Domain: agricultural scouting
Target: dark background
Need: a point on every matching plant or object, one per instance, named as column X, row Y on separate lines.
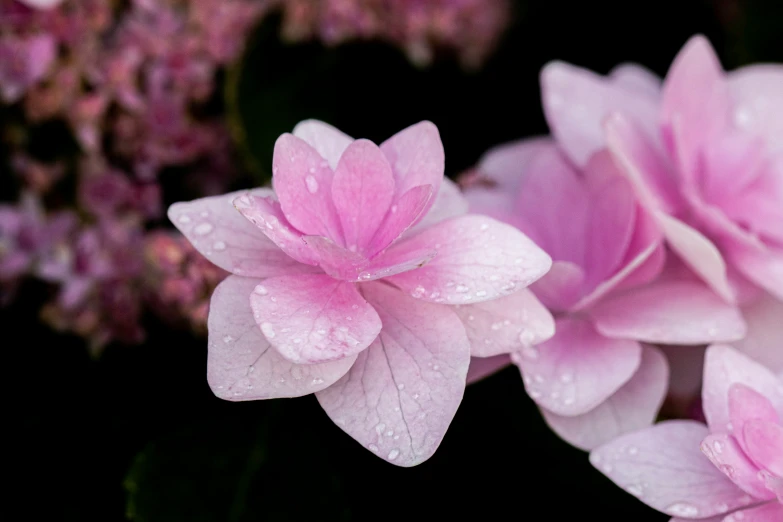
column 138, row 433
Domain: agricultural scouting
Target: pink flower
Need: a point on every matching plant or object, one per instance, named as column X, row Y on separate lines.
column 23, row 62
column 703, row 152
column 737, row 475
column 596, row 378
column 342, row 279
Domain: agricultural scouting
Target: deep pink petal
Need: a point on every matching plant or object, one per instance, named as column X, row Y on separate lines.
column 508, row 324
column 696, row 105
column 416, row 157
column 633, row 407
column 482, row 367
column 265, row 213
column 478, row 259
column 561, row 287
column 362, row 190
column 227, row 239
column 314, row 318
column 769, row 512
column 401, row 395
column 335, row 260
column 724, row 452
column 699, row 253
column 758, row 102
column 327, row 140
column 725, row 366
column 664, row 468
column 673, row 312
column 637, row 78
column 578, row 368
column 747, row 404
column 764, row 443
column 242, row 365
column 302, row 181
column 763, row 268
column 576, row 102
column 400, row 216
column 396, row 262
column 764, row 339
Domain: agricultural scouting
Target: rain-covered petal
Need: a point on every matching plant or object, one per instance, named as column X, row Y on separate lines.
column 324, row 138
column 478, row 259
column 746, row 404
column 663, row 467
column 578, row 368
column 302, row 180
column 633, row 407
column 362, row 191
column 402, row 393
column 511, row 323
column 672, row 312
column 227, row 239
column 448, row 203
column 769, row 512
column 758, row 102
column 725, row 366
column 314, row 318
column 724, row 452
column 764, row 444
column 242, row 365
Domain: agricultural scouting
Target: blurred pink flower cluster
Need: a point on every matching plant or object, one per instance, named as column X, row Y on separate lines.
column 469, row 28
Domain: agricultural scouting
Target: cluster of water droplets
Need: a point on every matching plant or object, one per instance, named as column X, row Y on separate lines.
column 200, row 229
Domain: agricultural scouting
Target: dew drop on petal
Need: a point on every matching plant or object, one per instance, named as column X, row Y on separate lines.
column 261, row 290
column 312, row 184
column 219, row 246
column 683, row 509
column 393, row 454
column 373, row 447
column 461, row 289
column 227, row 339
column 202, row 229
column 268, row 330
column 184, row 218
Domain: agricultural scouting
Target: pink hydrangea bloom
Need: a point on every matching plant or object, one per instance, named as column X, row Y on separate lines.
column 24, row 61
column 737, row 475
column 704, row 153
column 597, row 377
column 343, row 277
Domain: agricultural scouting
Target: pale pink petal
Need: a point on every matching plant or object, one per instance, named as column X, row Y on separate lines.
column 265, row 214
column 699, row 253
column 362, row 191
column 764, row 443
column 561, row 287
column 664, row 468
column 696, row 105
column 746, row 404
column 302, row 181
column 478, row 259
column 633, row 407
column 577, row 369
column 505, row 165
column 724, row 452
column 769, row 512
column 401, row 395
column 314, row 318
column 511, row 323
column 448, row 203
column 725, row 366
column 756, row 91
column 416, row 157
column 327, row 140
column 482, row 367
column 242, row 365
column 670, row 312
column 227, row 239
column 576, row 101
column 763, row 268
column 638, row 78
column 402, row 214
column 335, row 260
column 764, row 339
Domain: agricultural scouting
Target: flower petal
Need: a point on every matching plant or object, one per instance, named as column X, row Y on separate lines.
column 764, row 443
column 746, row 404
column 482, row 367
column 402, row 214
column 227, row 239
column 728, row 457
column 663, row 467
column 633, row 407
column 448, row 203
column 242, row 365
column 314, row 318
column 578, row 368
column 362, row 191
column 561, row 287
column 769, row 512
column 764, row 339
column 416, row 157
column 725, row 366
column 507, row 324
column 302, row 181
column 638, row 78
column 763, row 268
column 335, row 260
column 756, row 91
column 327, row 140
column 402, row 393
column 478, row 259
column 265, row 213
column 672, row 312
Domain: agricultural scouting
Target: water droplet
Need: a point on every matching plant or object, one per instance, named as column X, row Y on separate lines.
column 219, row 246
column 297, row 341
column 389, row 433
column 184, row 218
column 633, row 450
column 316, row 381
column 494, row 277
column 354, row 307
column 373, row 447
column 635, row 490
column 251, row 369
column 530, row 352
column 204, row 213
column 202, row 229
column 436, row 367
column 568, row 401
column 312, row 184
column 470, row 318
column 484, row 227
column 538, row 378
column 394, row 209
column 227, row 339
column 682, row 509
column 461, row 289
column 364, row 276
column 481, row 293
column 722, row 508
column 496, row 326
column 400, row 386
column 567, row 377
column 268, row 330
column 393, row 454
column 718, row 447
column 312, row 170
column 727, row 470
